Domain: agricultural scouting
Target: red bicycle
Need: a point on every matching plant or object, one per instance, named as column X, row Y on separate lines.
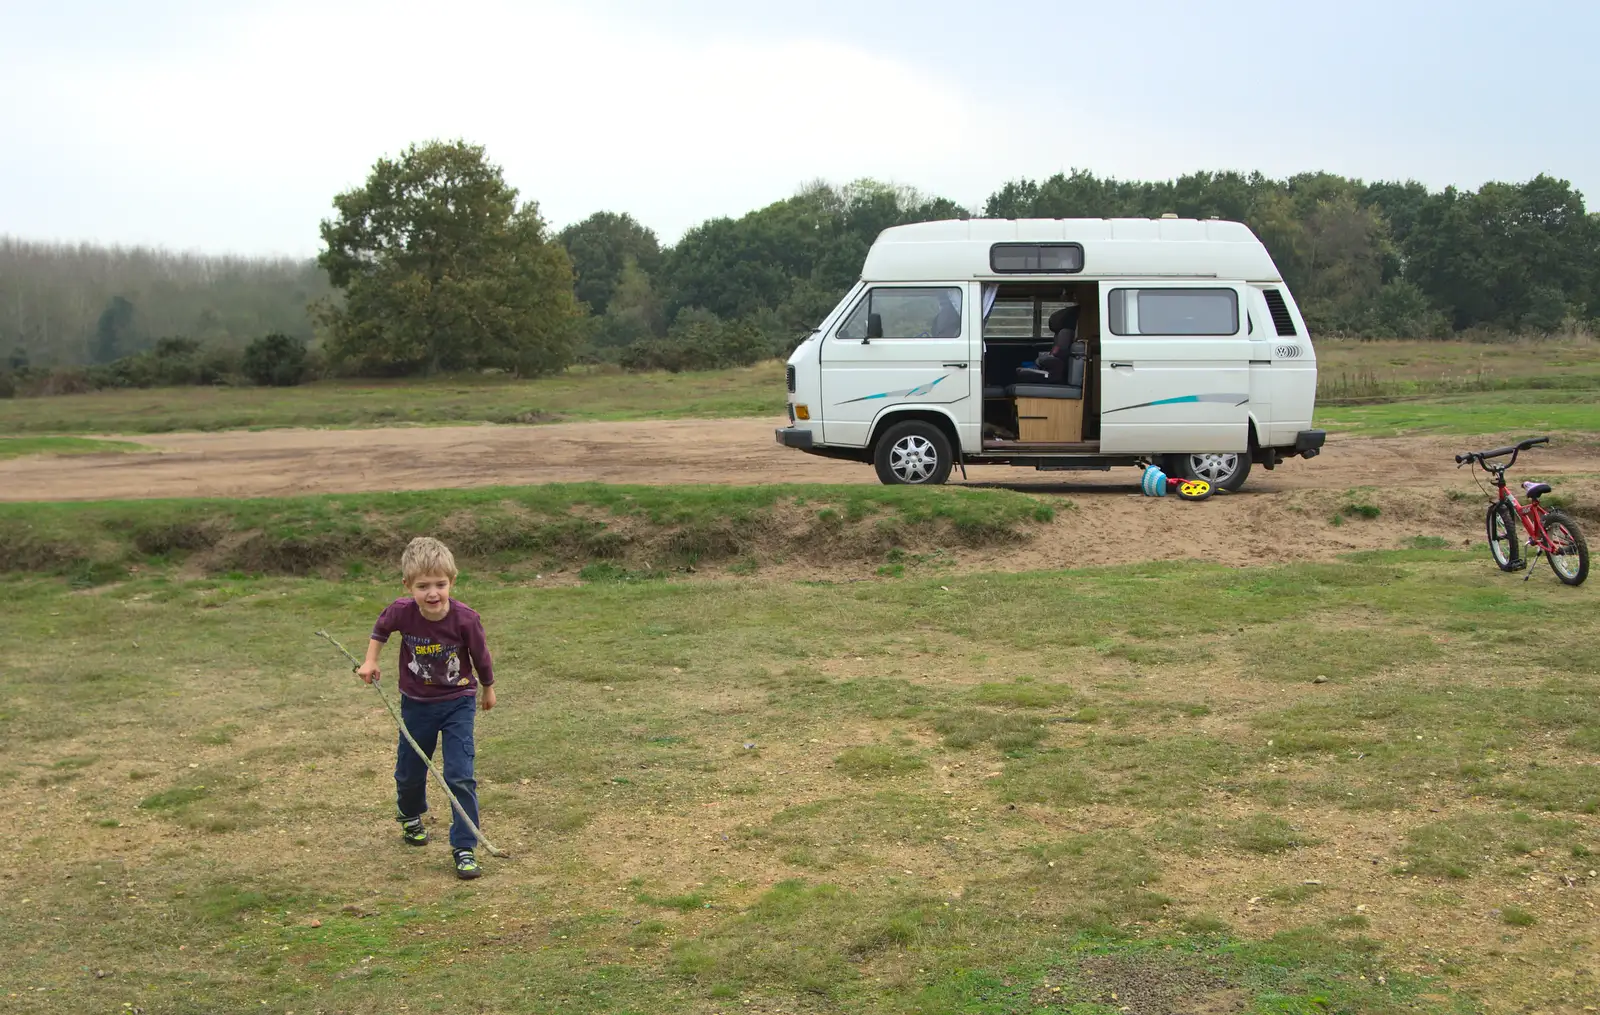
column 1551, row 533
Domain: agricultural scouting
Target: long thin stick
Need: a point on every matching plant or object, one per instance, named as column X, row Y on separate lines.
column 460, row 813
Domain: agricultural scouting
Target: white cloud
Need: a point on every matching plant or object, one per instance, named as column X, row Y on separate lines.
column 240, row 143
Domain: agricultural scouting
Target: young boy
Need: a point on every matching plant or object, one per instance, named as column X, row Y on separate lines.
column 443, row 664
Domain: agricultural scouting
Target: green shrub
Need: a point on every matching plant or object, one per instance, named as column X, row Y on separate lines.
column 171, row 362
column 275, row 360
column 699, row 340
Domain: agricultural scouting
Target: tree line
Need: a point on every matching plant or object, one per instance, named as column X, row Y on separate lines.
column 1391, row 260
column 79, row 304
column 437, row 265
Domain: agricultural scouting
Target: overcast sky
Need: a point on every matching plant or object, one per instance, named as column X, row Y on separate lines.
column 228, row 126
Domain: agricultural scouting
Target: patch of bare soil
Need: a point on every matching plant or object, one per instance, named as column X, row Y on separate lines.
column 1161, row 984
column 277, row 463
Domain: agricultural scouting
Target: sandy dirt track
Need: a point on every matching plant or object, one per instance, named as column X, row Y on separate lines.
column 277, row 463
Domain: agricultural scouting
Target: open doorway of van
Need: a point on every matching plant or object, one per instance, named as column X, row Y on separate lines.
column 1016, row 333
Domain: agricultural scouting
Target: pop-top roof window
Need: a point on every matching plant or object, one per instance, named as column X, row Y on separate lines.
column 1036, row 258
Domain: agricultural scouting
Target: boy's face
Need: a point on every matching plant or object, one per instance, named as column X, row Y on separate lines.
column 432, row 593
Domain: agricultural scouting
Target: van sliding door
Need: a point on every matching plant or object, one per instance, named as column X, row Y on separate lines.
column 1174, row 367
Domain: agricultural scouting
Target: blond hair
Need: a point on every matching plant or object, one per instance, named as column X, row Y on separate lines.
column 426, row 556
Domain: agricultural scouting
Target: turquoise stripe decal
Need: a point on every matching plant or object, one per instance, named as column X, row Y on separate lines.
column 921, row 389
column 1235, row 400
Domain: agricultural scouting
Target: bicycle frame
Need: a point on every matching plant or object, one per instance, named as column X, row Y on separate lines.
column 1532, row 516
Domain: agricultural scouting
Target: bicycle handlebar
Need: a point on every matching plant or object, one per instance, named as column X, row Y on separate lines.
column 1513, row 451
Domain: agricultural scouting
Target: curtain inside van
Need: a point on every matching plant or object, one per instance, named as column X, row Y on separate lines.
column 990, row 291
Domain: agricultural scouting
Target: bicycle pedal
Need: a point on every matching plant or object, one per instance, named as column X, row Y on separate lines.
column 1518, row 565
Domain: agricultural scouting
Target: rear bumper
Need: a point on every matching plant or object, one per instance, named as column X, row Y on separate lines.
column 1308, row 443
column 789, row 437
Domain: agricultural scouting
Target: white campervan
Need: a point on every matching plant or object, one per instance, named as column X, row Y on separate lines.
column 1060, row 344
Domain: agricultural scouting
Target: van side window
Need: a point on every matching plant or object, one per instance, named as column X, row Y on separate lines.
column 1021, row 317
column 855, row 326
column 1174, row 312
column 906, row 313
column 1012, row 317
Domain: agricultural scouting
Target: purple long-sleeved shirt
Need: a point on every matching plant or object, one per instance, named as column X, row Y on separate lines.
column 439, row 659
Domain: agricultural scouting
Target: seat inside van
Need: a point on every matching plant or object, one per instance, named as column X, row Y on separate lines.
column 1036, row 346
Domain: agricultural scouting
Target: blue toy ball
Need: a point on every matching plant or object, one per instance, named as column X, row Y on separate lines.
column 1154, row 482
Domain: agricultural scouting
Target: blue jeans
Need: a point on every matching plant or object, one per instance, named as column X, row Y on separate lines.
column 428, row 722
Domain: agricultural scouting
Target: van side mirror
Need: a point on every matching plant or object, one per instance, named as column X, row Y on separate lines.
column 874, row 327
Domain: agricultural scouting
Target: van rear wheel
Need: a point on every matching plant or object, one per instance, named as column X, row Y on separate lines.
column 913, row 453
column 1226, row 471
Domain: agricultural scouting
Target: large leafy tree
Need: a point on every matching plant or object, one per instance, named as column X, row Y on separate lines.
column 788, row 262
column 633, row 314
column 735, row 267
column 443, row 269
column 601, row 247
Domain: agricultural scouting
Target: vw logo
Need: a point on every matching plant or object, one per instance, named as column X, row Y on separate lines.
column 1287, row 351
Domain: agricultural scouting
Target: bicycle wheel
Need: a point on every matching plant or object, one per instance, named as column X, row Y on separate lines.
column 1571, row 562
column 1502, row 525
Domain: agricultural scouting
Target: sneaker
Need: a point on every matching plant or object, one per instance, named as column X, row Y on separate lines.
column 466, row 865
column 412, row 831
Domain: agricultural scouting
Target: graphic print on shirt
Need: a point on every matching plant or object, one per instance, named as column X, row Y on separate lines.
column 435, row 663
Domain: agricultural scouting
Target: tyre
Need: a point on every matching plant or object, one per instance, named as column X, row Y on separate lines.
column 1194, row 489
column 1501, row 523
column 1572, row 564
column 913, row 453
column 1225, row 471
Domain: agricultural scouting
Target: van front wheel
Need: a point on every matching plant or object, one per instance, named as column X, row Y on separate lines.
column 1226, row 471
column 913, row 453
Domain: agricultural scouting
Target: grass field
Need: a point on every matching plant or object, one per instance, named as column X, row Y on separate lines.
column 16, row 447
column 1353, row 368
column 1527, row 412
column 577, row 395
column 1445, row 386
column 1381, row 389
column 1361, row 787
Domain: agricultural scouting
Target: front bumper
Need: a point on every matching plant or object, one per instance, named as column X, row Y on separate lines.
column 789, row 437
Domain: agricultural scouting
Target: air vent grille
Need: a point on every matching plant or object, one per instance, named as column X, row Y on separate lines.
column 1280, row 312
